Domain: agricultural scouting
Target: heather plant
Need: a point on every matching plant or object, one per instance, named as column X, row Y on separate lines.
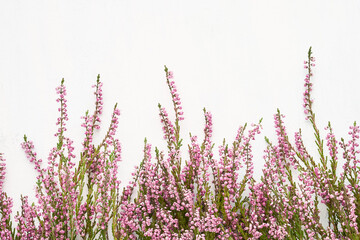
column 200, row 198
column 283, row 207
column 198, row 195
column 73, row 200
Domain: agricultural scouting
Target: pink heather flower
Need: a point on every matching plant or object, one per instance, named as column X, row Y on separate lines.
column 92, row 121
column 308, row 88
column 2, row 171
column 61, row 91
column 168, row 127
column 174, row 95
column 331, row 142
column 170, row 75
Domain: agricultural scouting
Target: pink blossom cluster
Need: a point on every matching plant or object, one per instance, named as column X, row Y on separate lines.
column 6, row 204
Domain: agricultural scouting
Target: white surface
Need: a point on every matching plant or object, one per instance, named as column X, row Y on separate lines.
column 239, row 59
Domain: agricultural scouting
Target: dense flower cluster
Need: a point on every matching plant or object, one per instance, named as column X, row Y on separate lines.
column 200, row 196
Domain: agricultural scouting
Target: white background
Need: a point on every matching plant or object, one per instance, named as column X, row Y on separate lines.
column 240, row 59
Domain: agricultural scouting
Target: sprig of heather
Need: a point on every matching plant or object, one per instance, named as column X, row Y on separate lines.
column 332, row 190
column 27, row 227
column 6, row 203
column 99, row 165
column 55, row 189
column 229, row 187
column 278, row 189
column 315, row 180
